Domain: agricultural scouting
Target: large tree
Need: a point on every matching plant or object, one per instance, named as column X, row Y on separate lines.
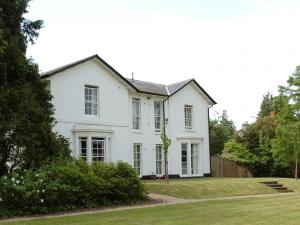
column 26, row 138
column 287, row 142
column 221, row 130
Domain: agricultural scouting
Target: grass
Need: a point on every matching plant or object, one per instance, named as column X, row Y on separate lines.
column 279, row 209
column 282, row 209
column 200, row 188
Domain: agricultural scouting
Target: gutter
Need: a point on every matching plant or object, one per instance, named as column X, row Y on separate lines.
column 208, row 120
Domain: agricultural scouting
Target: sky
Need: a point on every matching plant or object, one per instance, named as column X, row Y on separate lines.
column 237, row 50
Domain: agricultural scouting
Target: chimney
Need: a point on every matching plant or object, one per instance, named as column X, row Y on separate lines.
column 132, row 78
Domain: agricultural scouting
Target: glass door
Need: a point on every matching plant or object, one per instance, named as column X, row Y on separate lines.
column 194, row 159
column 184, row 157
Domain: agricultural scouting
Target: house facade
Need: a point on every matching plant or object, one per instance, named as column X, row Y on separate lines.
column 107, row 117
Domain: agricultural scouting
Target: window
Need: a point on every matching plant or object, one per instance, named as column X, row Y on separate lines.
column 194, row 159
column 136, row 113
column 157, row 116
column 159, row 161
column 137, row 158
column 97, row 149
column 91, row 100
column 188, row 119
column 83, row 147
column 184, row 158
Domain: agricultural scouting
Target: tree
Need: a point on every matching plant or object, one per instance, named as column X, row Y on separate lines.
column 26, row 137
column 287, row 142
column 266, row 106
column 166, row 142
column 238, row 153
column 221, row 130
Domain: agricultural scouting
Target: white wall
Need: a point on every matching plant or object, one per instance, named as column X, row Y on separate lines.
column 115, row 118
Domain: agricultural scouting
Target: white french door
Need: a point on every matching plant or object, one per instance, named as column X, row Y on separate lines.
column 190, row 159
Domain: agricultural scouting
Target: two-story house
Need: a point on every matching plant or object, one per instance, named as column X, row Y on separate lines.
column 109, row 118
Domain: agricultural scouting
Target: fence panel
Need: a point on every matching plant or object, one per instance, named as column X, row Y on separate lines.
column 227, row 168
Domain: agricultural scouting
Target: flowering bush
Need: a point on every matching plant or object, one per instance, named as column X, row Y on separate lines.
column 68, row 185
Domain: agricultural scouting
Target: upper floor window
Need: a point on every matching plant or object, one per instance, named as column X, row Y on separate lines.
column 91, row 100
column 188, row 116
column 136, row 113
column 157, row 116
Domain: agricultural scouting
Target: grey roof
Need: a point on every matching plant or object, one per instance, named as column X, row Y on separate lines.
column 177, row 86
column 137, row 85
column 148, row 87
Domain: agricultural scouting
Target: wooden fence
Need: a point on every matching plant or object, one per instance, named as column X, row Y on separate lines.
column 227, row 168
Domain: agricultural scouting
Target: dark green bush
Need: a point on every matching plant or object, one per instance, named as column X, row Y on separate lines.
column 68, row 185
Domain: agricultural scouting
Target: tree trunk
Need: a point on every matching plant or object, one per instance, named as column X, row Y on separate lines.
column 166, row 166
column 296, row 168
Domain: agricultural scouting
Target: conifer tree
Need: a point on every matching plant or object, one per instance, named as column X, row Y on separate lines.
column 26, row 137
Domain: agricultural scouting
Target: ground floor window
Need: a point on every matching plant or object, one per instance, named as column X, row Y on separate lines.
column 194, row 159
column 189, row 158
column 137, row 158
column 159, row 161
column 98, row 149
column 83, row 147
column 92, row 148
column 184, row 158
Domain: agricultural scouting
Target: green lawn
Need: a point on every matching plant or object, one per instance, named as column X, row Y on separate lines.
column 279, row 209
column 200, row 188
column 283, row 209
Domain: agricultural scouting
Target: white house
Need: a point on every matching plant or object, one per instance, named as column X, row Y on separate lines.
column 109, row 118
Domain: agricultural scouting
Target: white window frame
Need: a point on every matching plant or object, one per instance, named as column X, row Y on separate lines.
column 194, row 159
column 91, row 101
column 137, row 151
column 191, row 169
column 83, row 155
column 186, row 166
column 158, row 116
column 99, row 155
column 188, row 117
column 159, row 165
column 136, row 114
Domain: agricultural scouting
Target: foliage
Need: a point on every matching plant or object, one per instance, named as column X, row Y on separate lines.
column 67, row 185
column 266, row 106
column 166, row 142
column 221, row 130
column 239, row 153
column 26, row 137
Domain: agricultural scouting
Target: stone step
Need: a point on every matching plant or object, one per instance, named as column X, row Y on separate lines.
column 285, row 191
column 269, row 182
column 274, row 185
column 279, row 188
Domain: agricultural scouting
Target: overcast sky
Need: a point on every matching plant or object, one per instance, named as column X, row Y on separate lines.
column 237, row 50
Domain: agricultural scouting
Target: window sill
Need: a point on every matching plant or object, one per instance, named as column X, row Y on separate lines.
column 157, row 132
column 137, row 132
column 91, row 116
column 189, row 130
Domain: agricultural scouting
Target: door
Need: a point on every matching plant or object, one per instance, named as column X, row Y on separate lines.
column 190, row 159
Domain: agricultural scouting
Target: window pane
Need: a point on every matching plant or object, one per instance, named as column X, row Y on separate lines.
column 137, row 158
column 157, row 115
column 188, row 116
column 159, row 161
column 98, row 151
column 184, row 158
column 91, row 100
column 194, row 158
column 83, row 147
column 136, row 113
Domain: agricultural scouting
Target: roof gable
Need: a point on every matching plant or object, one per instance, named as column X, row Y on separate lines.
column 137, row 85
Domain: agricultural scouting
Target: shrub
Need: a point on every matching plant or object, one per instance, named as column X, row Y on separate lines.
column 68, row 185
